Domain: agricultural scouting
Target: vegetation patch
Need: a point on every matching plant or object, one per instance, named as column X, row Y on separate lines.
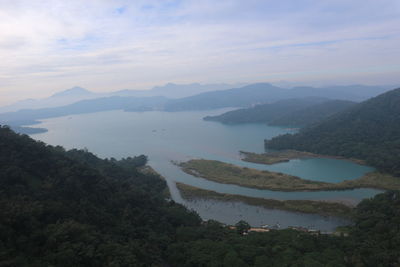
column 275, row 157
column 148, row 170
column 307, row 206
column 376, row 180
column 71, row 208
column 285, row 156
column 230, row 174
column 226, row 173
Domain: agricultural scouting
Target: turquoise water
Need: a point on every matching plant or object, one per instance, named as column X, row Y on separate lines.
column 180, row 136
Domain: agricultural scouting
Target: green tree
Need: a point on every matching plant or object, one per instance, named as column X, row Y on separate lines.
column 242, row 226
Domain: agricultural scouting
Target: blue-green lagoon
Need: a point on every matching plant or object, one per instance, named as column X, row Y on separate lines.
column 180, row 136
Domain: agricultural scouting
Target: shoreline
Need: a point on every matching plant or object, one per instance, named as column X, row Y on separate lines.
column 147, row 169
column 226, row 173
column 288, row 155
column 324, row 208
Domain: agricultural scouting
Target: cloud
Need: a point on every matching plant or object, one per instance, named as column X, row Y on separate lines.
column 48, row 45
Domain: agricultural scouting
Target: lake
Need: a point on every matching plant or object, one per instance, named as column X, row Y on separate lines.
column 180, row 136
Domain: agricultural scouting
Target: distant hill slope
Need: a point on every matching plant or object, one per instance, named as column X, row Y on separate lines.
column 369, row 130
column 27, row 116
column 312, row 114
column 237, row 97
column 356, row 92
column 266, row 93
column 172, row 90
column 75, row 94
column 266, row 113
column 62, row 98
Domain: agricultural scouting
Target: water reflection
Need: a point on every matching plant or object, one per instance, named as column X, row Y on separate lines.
column 232, row 212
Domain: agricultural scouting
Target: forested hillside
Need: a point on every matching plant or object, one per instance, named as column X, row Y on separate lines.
column 292, row 112
column 70, row 208
column 369, row 130
column 29, row 116
column 265, row 113
column 236, row 97
column 313, row 114
column 261, row 93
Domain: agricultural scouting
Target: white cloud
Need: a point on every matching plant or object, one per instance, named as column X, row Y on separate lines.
column 50, row 45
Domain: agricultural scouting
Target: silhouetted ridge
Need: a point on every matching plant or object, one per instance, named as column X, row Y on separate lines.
column 73, row 92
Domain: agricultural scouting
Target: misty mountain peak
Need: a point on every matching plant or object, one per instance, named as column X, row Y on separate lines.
column 72, row 92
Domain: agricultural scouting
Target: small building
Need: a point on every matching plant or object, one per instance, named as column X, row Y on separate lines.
column 258, row 230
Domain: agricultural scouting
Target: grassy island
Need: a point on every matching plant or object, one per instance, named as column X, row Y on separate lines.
column 274, row 157
column 306, row 206
column 226, row 173
column 285, row 156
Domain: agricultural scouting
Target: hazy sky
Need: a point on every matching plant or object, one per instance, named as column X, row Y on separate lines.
column 105, row 45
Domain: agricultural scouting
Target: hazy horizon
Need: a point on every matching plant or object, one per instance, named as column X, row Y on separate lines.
column 281, row 84
column 48, row 46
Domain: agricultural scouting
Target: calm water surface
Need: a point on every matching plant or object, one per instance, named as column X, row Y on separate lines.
column 180, row 136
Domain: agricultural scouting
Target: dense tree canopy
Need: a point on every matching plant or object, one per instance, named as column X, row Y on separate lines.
column 70, row 208
column 374, row 240
column 291, row 112
column 369, row 130
column 313, row 114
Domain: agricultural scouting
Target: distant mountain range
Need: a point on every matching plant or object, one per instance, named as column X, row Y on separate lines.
column 74, row 92
column 261, row 93
column 369, row 130
column 66, row 97
column 77, row 93
column 355, row 92
column 131, row 100
column 236, row 97
column 30, row 116
column 171, row 90
column 205, row 96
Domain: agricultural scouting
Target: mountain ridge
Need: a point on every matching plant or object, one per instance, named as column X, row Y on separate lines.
column 73, row 92
column 261, row 93
column 30, row 116
column 77, row 93
column 266, row 113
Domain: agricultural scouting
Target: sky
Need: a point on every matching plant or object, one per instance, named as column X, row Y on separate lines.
column 105, row 45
